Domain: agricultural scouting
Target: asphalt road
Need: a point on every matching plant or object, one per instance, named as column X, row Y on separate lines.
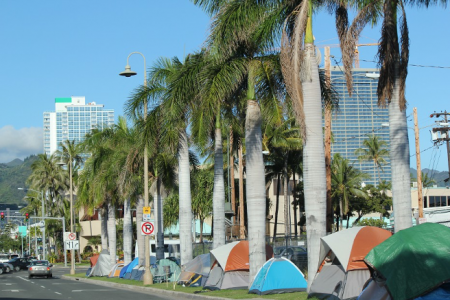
column 16, row 285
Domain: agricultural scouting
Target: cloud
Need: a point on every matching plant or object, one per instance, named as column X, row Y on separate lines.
column 20, row 143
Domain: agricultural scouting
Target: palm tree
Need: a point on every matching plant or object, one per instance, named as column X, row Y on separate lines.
column 393, row 59
column 346, row 181
column 202, row 187
column 373, row 151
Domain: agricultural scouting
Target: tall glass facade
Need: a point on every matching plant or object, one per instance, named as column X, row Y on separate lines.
column 72, row 120
column 359, row 117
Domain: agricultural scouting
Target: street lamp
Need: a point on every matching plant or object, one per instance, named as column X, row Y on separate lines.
column 72, row 252
column 43, row 214
column 148, row 278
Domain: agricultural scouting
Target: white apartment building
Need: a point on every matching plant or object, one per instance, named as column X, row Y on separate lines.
column 72, row 119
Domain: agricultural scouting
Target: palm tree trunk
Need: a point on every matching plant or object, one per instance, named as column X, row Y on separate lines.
column 185, row 211
column 241, row 195
column 341, row 214
column 287, row 225
column 104, row 227
column 127, row 232
column 314, row 166
column 295, row 207
column 255, row 188
column 159, row 221
column 328, row 166
column 399, row 155
column 219, row 190
column 201, row 230
column 112, row 233
column 231, row 166
column 140, row 237
column 277, row 205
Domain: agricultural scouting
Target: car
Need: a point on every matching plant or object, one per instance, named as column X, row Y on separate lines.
column 9, row 268
column 4, row 257
column 40, row 268
column 2, row 268
column 20, row 263
column 297, row 254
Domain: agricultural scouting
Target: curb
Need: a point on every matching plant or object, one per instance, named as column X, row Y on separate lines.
column 146, row 290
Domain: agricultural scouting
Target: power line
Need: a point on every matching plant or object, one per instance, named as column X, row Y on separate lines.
column 413, row 65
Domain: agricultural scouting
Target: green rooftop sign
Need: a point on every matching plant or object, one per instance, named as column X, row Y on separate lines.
column 63, row 100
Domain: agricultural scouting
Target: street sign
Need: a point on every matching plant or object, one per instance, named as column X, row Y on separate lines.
column 146, row 217
column 147, row 228
column 147, row 210
column 70, row 236
column 72, row 245
column 23, row 230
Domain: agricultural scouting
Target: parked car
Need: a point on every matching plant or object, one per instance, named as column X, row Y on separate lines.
column 297, row 254
column 4, row 257
column 40, row 268
column 20, row 263
column 2, row 268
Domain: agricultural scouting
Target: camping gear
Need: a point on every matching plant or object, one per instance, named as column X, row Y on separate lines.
column 126, row 270
column 342, row 272
column 277, row 276
column 115, row 270
column 196, row 271
column 166, row 270
column 102, row 266
column 412, row 262
column 230, row 266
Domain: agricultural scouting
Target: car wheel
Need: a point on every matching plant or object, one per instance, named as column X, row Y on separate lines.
column 29, row 276
column 8, row 270
column 17, row 268
column 1, row 270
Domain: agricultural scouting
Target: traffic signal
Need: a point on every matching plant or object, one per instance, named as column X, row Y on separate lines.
column 27, row 216
column 2, row 214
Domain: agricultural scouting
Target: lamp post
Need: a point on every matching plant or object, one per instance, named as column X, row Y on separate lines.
column 43, row 214
column 148, row 278
column 72, row 252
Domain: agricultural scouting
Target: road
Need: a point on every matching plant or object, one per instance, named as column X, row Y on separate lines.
column 16, row 285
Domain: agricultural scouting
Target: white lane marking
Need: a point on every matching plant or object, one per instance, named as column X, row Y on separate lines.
column 14, row 291
column 22, row 278
column 93, row 290
column 42, row 286
column 58, row 293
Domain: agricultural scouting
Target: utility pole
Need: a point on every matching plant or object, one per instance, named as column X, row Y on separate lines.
column 444, row 135
column 419, row 169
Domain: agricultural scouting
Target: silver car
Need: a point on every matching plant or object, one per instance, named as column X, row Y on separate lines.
column 40, row 268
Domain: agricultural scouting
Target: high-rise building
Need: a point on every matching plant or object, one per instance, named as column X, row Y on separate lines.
column 359, row 117
column 72, row 119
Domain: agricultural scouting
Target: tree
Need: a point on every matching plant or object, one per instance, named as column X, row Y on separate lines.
column 202, row 187
column 374, row 151
column 346, row 181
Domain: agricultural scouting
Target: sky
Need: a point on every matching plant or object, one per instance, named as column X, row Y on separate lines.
column 60, row 48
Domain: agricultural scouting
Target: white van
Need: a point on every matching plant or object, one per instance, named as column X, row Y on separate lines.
column 4, row 257
column 171, row 248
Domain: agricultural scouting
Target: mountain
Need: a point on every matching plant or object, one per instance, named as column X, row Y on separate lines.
column 438, row 176
column 12, row 176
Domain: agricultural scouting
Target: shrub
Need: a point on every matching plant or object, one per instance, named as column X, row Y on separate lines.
column 371, row 222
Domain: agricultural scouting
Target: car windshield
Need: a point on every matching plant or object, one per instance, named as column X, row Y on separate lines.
column 14, row 259
column 39, row 263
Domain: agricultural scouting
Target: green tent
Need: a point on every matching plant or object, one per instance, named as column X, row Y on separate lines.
column 413, row 261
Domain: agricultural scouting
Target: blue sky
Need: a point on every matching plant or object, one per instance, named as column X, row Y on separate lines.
column 59, row 48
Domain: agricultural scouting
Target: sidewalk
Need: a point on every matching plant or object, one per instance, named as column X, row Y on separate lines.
column 149, row 290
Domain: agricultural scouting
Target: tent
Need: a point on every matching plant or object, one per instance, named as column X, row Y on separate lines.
column 166, row 270
column 412, row 262
column 342, row 272
column 125, row 273
column 230, row 266
column 115, row 270
column 277, row 276
column 195, row 272
column 103, row 265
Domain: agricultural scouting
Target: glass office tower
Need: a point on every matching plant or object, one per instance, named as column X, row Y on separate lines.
column 359, row 117
column 71, row 120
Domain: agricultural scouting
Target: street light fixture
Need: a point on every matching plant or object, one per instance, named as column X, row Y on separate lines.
column 148, row 278
column 43, row 215
column 72, row 252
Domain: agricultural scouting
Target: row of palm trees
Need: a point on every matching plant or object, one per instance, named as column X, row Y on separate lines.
column 241, row 83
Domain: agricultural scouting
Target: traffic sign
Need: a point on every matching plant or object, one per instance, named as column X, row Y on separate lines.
column 146, row 217
column 72, row 245
column 147, row 228
column 70, row 236
column 147, row 210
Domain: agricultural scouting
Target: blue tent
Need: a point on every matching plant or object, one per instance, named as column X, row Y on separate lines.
column 278, row 275
column 126, row 270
